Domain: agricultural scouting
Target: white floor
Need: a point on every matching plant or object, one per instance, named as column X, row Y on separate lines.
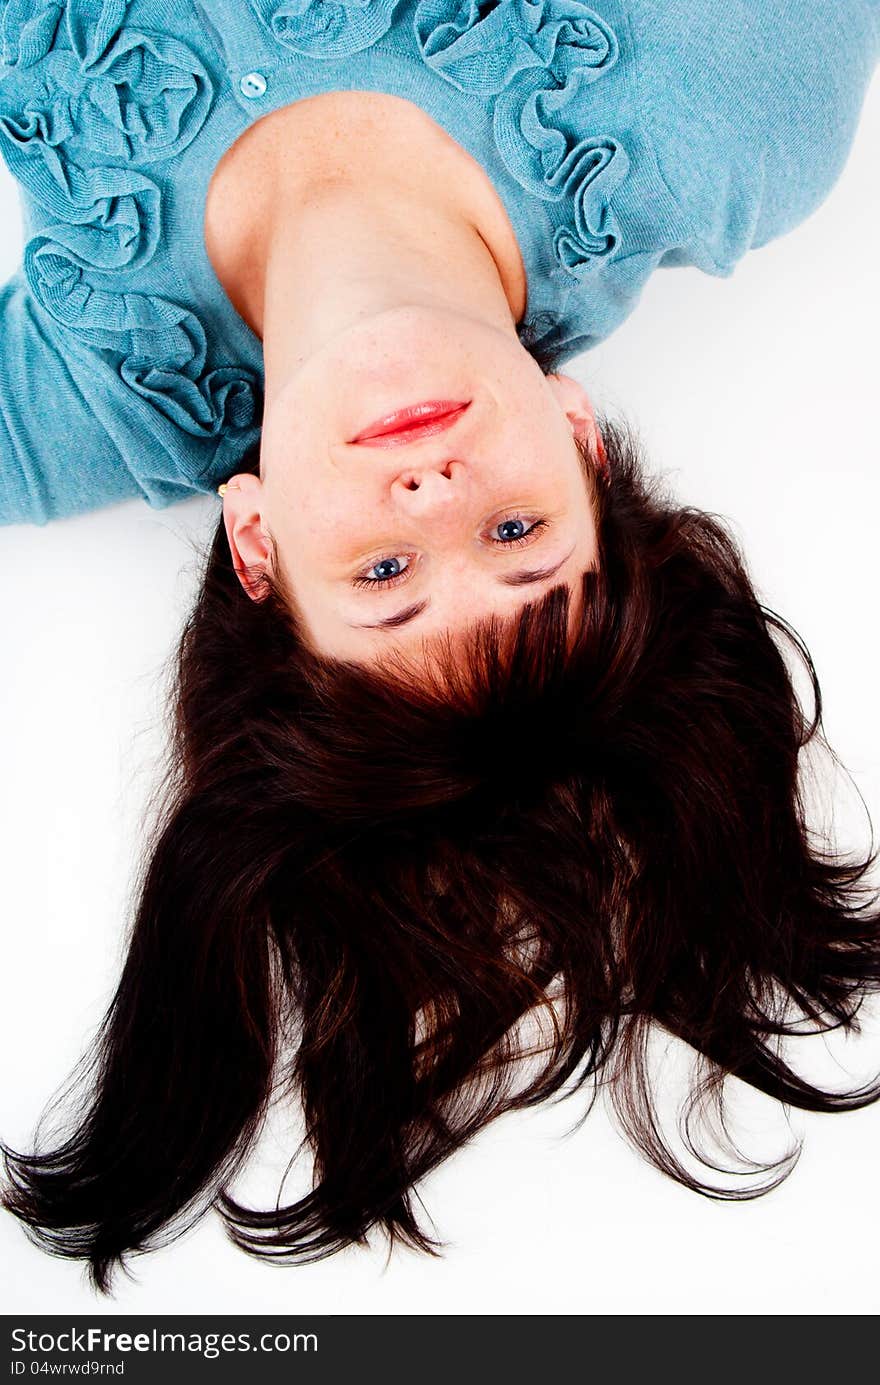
column 758, row 396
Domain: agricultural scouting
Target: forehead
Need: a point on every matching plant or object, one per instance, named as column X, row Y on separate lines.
column 452, row 652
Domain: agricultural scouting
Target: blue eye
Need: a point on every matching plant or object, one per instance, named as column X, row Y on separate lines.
column 389, row 567
column 514, row 531
column 385, row 573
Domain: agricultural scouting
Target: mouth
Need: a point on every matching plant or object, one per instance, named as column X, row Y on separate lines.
column 417, row 421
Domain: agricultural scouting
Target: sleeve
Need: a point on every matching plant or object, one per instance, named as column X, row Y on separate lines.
column 56, row 459
column 751, row 107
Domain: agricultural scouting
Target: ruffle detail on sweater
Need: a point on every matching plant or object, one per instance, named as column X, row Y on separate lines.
column 78, row 82
column 534, row 57
column 480, row 45
column 326, row 28
column 162, row 347
column 560, row 165
column 99, row 88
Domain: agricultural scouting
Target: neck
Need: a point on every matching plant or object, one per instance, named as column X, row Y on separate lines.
column 392, row 217
column 350, row 252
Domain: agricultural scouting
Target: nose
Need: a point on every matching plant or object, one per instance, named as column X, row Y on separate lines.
column 430, row 487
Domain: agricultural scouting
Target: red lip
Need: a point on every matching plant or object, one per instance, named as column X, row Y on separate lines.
column 405, row 425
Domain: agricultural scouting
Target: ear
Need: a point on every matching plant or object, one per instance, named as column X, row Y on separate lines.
column 247, row 535
column 576, row 404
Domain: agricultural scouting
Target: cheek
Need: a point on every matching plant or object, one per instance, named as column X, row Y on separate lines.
column 319, row 530
column 538, row 443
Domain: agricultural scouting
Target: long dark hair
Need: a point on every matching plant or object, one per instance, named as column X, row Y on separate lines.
column 362, row 889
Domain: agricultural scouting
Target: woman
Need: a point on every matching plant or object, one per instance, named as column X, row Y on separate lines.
column 424, row 791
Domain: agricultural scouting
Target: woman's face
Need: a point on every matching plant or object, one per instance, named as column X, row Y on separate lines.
column 387, row 547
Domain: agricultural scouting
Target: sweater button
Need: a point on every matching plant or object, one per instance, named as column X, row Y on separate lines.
column 252, row 84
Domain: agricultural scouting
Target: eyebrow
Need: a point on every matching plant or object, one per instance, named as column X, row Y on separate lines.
column 525, row 578
column 392, row 622
column 530, row 575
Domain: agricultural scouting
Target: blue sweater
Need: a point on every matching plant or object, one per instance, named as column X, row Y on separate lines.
column 620, row 137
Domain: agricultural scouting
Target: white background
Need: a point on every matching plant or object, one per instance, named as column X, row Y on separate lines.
column 758, row 397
